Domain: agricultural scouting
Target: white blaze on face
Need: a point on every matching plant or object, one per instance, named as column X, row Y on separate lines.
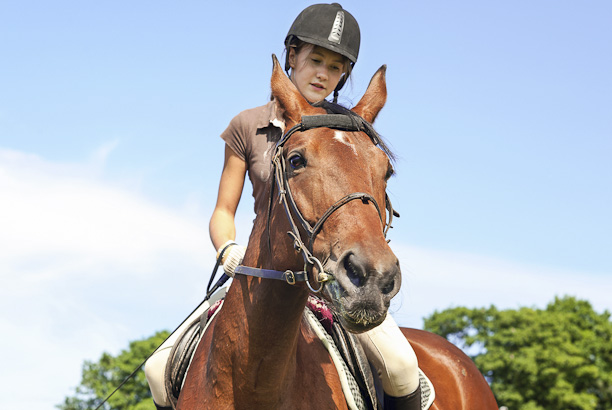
column 341, row 137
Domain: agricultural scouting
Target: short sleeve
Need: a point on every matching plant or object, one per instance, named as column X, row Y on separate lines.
column 235, row 136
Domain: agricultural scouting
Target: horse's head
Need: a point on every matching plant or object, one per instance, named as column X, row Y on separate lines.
column 337, row 181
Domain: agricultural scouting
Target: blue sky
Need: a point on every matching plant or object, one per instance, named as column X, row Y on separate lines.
column 110, row 114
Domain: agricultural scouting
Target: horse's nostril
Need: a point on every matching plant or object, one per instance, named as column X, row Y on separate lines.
column 377, row 274
column 353, row 270
column 389, row 286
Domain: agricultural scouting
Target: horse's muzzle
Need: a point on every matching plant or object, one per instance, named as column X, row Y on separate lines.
column 363, row 288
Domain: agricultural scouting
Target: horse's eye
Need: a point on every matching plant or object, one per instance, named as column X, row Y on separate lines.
column 390, row 172
column 296, row 161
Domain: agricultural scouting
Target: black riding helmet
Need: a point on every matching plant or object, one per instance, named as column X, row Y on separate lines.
column 328, row 26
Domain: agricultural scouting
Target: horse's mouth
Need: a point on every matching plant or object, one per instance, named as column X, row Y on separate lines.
column 357, row 312
column 362, row 320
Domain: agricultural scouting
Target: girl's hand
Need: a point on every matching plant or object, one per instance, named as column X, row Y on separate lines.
column 232, row 256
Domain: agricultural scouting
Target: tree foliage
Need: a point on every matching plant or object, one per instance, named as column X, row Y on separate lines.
column 556, row 358
column 101, row 378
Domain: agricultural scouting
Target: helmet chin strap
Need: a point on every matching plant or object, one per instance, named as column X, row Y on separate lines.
column 342, row 82
column 338, row 88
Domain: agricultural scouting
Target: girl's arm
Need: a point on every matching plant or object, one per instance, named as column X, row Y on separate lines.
column 222, row 226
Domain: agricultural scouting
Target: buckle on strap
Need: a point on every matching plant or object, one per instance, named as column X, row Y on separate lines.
column 290, row 277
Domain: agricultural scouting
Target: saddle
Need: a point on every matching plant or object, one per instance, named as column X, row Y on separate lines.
column 361, row 386
column 182, row 352
column 364, row 387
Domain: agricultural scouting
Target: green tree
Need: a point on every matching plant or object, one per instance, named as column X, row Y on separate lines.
column 556, row 358
column 101, row 378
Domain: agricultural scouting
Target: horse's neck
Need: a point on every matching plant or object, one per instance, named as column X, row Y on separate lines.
column 260, row 322
column 258, row 338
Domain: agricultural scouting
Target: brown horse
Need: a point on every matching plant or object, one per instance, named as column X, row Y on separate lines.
column 258, row 352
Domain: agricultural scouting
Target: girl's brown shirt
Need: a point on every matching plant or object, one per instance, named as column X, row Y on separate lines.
column 252, row 135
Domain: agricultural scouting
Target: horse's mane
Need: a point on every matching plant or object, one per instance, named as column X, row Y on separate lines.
column 334, row 108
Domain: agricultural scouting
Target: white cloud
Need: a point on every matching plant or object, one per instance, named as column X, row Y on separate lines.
column 72, row 220
column 436, row 280
column 85, row 266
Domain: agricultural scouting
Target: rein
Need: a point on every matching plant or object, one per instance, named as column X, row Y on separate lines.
column 343, row 120
column 209, row 292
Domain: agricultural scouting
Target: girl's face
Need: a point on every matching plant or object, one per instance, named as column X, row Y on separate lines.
column 315, row 71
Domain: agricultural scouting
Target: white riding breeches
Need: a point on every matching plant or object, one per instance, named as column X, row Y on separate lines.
column 392, row 356
column 385, row 347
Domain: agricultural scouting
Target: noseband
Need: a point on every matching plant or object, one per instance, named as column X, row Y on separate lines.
column 345, row 121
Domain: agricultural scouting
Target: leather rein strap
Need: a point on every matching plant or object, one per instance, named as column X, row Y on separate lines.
column 346, row 121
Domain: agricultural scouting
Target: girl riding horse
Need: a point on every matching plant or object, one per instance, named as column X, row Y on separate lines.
column 321, row 47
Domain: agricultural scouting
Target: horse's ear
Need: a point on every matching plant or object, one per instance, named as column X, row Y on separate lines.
column 288, row 96
column 375, row 96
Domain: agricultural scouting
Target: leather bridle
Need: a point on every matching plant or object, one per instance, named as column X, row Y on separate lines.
column 346, row 121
